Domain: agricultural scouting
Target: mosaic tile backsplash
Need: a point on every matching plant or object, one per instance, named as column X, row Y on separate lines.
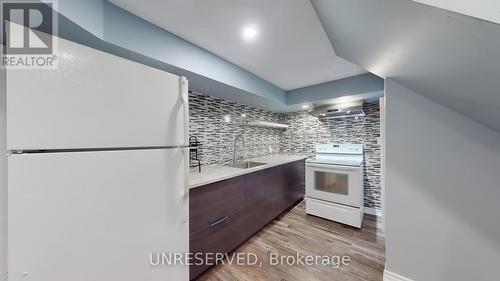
column 208, row 122
column 216, row 123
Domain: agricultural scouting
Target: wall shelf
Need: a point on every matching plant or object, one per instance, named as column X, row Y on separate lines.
column 266, row 124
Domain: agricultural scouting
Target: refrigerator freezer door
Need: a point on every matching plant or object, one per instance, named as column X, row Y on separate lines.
column 96, row 215
column 94, row 100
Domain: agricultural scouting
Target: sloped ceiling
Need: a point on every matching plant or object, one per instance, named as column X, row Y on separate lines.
column 448, row 57
column 483, row 9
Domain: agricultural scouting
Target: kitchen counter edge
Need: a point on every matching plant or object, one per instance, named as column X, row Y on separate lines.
column 215, row 173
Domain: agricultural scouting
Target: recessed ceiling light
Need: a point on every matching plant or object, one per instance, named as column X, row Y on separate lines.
column 227, row 118
column 305, row 106
column 249, row 33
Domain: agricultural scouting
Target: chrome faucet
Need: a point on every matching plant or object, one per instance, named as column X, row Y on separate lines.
column 239, row 136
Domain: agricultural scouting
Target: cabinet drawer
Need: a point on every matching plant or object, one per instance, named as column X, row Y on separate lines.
column 211, row 202
column 222, row 237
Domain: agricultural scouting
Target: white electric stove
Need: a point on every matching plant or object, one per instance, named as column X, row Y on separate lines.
column 334, row 183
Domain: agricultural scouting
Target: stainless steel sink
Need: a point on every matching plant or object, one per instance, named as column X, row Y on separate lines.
column 246, row 165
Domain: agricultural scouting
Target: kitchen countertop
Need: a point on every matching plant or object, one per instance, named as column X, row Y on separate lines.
column 215, row 173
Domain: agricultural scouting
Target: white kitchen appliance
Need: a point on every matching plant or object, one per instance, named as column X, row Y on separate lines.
column 97, row 171
column 334, row 183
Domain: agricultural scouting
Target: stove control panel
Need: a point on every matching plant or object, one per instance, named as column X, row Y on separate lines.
column 339, row 148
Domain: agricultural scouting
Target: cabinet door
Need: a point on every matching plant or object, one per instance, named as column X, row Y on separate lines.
column 261, row 194
column 293, row 187
column 213, row 202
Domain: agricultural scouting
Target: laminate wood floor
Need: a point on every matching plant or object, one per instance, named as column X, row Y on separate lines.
column 295, row 232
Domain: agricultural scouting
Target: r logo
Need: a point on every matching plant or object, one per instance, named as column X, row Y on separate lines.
column 27, row 28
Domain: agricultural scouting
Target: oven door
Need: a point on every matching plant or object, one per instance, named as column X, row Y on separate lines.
column 337, row 184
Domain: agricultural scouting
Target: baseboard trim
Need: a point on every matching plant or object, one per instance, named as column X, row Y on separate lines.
column 391, row 276
column 372, row 211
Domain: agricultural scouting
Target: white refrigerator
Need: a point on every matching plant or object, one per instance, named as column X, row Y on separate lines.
column 97, row 171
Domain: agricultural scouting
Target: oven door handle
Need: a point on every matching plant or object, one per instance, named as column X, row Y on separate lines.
column 329, row 166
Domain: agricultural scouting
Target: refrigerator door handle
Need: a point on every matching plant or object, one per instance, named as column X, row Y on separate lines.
column 185, row 190
column 183, row 85
column 183, row 88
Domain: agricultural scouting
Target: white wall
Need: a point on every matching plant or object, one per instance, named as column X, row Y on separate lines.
column 442, row 191
column 3, row 180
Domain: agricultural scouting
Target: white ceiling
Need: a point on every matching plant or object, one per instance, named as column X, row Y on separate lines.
column 290, row 51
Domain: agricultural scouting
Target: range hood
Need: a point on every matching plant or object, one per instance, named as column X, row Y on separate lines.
column 342, row 110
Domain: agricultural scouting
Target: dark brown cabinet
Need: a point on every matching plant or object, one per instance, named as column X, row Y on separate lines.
column 294, row 183
column 261, row 192
column 211, row 203
column 226, row 213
